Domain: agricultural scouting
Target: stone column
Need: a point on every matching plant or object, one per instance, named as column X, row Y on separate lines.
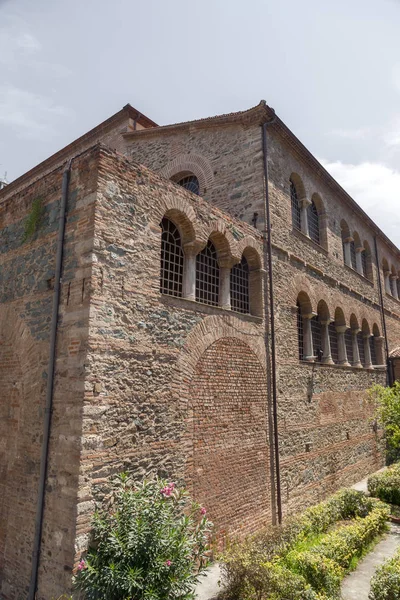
column 386, row 277
column 304, row 204
column 356, row 354
column 308, row 350
column 359, row 264
column 189, row 273
column 393, row 279
column 340, row 329
column 380, row 354
column 347, row 251
column 367, row 351
column 326, row 344
column 225, row 287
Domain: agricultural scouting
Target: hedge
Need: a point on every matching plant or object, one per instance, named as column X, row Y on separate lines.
column 277, row 563
column 385, row 584
column 386, row 485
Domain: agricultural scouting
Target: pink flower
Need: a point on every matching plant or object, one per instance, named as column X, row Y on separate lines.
column 168, row 489
column 203, row 510
column 168, row 563
column 82, row 565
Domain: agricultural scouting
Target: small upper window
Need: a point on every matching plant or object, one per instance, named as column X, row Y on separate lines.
column 296, row 219
column 191, row 183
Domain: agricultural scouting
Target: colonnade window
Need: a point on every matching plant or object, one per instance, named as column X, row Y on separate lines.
column 331, row 341
column 364, row 263
column 361, row 351
column 207, row 275
column 296, row 213
column 348, row 340
column 391, row 279
column 210, row 276
column 171, row 259
column 308, row 214
column 356, row 254
column 313, row 222
column 239, row 287
column 353, row 255
column 300, row 332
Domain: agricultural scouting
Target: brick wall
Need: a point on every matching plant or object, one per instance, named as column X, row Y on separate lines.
column 26, row 273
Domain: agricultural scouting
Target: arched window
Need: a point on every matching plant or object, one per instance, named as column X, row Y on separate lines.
column 333, row 338
column 353, row 255
column 300, row 334
column 316, row 337
column 189, row 182
column 240, row 287
column 372, row 347
column 313, row 222
column 171, row 259
column 207, row 275
column 348, row 340
column 361, row 352
column 296, row 219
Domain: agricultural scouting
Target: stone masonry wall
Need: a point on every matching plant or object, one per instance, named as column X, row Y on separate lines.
column 26, row 290
column 343, row 447
column 174, row 387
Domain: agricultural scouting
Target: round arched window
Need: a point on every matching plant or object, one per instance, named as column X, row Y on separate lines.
column 191, row 183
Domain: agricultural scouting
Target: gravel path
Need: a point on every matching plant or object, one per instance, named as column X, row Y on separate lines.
column 356, row 586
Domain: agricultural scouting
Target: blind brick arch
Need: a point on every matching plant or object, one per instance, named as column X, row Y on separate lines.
column 230, row 468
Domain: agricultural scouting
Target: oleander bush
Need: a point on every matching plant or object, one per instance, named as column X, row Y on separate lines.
column 385, row 584
column 308, row 557
column 386, row 485
column 149, row 543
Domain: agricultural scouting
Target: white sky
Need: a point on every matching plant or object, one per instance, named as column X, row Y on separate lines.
column 331, row 70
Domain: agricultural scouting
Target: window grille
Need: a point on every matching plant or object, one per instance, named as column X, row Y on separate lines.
column 191, row 183
column 171, row 259
column 300, row 334
column 313, row 222
column 353, row 255
column 360, row 342
column 240, row 287
column 296, row 219
column 364, row 263
column 348, row 340
column 316, row 336
column 207, row 275
column 334, row 342
column 372, row 347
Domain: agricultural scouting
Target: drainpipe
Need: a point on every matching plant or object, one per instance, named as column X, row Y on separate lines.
column 272, row 317
column 50, row 386
column 389, row 377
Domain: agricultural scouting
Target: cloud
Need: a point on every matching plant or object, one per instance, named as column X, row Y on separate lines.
column 30, row 115
column 351, row 134
column 376, row 188
column 392, row 135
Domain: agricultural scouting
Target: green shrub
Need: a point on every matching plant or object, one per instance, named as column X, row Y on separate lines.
column 150, row 543
column 253, row 568
column 385, row 584
column 386, row 485
column 386, row 402
column 321, row 573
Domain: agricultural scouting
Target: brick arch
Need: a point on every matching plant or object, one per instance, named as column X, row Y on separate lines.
column 227, row 468
column 190, row 163
column 21, row 385
column 252, row 251
column 223, row 239
column 210, row 330
column 301, row 284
